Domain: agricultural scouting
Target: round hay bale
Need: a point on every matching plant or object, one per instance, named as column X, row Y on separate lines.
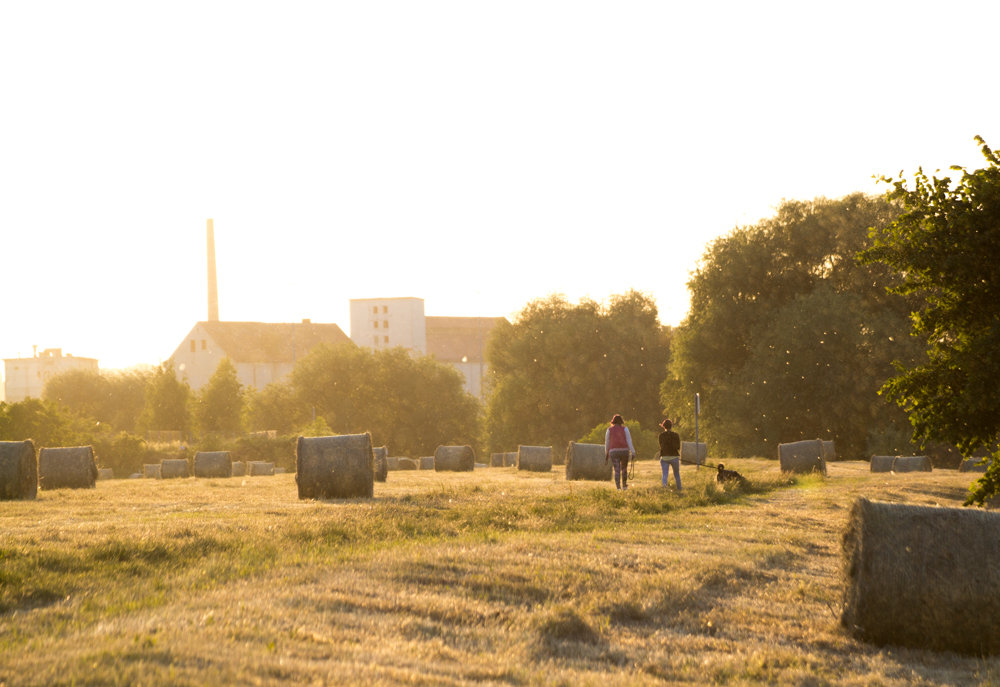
column 409, row 464
column 973, row 465
column 453, row 459
column 912, row 464
column 239, row 468
column 67, row 468
column 882, row 463
column 694, row 454
column 510, row 459
column 923, row 577
column 534, row 458
column 174, row 468
column 341, row 467
column 18, row 471
column 829, row 451
column 496, row 460
column 392, row 463
column 135, row 475
column 586, row 461
column 425, row 462
column 151, row 471
column 381, row 463
column 211, row 464
column 802, row 456
column 105, row 473
column 259, row 468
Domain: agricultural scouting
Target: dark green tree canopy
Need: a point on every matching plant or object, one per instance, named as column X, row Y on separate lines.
column 219, row 406
column 114, row 398
column 167, row 401
column 275, row 407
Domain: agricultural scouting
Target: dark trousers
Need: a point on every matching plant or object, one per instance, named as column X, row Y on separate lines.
column 619, row 458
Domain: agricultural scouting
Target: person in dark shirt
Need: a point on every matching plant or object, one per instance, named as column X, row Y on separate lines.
column 670, row 453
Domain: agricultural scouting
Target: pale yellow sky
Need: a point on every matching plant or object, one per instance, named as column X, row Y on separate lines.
column 475, row 155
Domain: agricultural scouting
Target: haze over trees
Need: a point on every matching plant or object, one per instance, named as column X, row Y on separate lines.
column 790, row 338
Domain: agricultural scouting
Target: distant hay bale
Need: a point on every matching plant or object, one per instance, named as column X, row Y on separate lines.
column 67, row 468
column 829, row 451
column 496, row 460
column 259, row 468
column 587, row 461
column 136, row 475
column 105, row 473
column 340, row 467
column 174, row 468
column 510, row 459
column 923, row 577
column 882, row 463
column 409, row 463
column 802, row 457
column 151, row 471
column 480, row 466
column 534, row 458
column 381, row 463
column 694, row 454
column 425, row 462
column 239, row 468
column 18, row 471
column 392, row 463
column 210, row 464
column 279, row 471
column 912, row 464
column 974, row 465
column 453, row 459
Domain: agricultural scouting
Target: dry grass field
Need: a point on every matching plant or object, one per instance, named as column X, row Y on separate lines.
column 489, row 577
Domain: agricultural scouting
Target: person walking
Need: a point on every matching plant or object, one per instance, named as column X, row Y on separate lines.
column 618, row 448
column 670, row 453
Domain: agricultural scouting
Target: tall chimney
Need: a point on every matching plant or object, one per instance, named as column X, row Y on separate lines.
column 213, row 284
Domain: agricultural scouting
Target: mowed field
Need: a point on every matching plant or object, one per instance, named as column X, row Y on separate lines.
column 493, row 577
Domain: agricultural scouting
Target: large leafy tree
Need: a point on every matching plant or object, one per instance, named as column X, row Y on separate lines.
column 946, row 248
column 43, row 421
column 111, row 398
column 787, row 336
column 219, row 404
column 275, row 407
column 167, row 404
column 561, row 368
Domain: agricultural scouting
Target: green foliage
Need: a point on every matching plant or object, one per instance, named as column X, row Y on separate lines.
column 560, row 368
column 279, row 450
column 111, row 398
column 275, row 407
column 411, row 403
column 946, row 247
column 42, row 421
column 317, row 428
column 788, row 336
column 219, row 404
column 167, row 401
column 645, row 442
column 124, row 454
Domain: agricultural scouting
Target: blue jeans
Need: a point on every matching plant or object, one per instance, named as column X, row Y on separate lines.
column 665, row 465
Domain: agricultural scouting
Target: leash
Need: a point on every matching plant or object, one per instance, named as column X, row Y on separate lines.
column 706, row 463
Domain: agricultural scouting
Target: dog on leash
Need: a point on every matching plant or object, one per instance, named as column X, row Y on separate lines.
column 729, row 475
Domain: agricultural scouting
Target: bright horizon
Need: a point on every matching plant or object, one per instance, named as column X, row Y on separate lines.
column 475, row 156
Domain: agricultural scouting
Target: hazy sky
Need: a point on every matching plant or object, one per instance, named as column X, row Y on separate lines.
column 476, row 155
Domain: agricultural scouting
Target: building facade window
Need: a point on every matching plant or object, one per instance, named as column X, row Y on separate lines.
column 374, row 310
column 387, row 339
column 385, row 324
column 385, row 309
column 192, row 346
column 204, row 345
column 376, row 324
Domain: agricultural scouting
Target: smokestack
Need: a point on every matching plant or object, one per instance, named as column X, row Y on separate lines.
column 213, row 284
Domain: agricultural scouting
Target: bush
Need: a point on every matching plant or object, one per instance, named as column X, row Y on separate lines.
column 280, row 450
column 124, row 454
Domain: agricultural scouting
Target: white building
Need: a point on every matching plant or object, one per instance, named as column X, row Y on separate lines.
column 263, row 352
column 457, row 341
column 24, row 377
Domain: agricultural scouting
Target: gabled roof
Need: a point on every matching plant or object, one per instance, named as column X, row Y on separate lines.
column 271, row 342
column 449, row 339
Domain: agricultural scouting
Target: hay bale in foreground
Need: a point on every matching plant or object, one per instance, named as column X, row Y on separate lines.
column 912, row 464
column 105, row 473
column 587, row 461
column 496, row 460
column 694, row 454
column 381, row 463
column 923, row 577
column 425, row 462
column 510, row 459
column 259, row 468
column 410, row 464
column 151, row 471
column 341, row 467
column 239, row 468
column 210, row 464
column 67, row 468
column 802, row 456
column 534, row 458
column 392, row 463
column 174, row 468
column 882, row 463
column 18, row 471
column 453, row 459
column 829, row 451
column 973, row 465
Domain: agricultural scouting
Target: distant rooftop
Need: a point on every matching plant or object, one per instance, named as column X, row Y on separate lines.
column 449, row 339
column 271, row 342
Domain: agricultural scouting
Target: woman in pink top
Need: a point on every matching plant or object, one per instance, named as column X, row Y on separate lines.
column 618, row 448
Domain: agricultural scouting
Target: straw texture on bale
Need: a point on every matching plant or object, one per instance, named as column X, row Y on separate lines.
column 341, row 467
column 151, row 471
column 973, row 465
column 912, row 464
column 534, row 458
column 587, row 461
column 67, row 468
column 923, row 577
column 408, row 463
column 694, row 454
column 510, row 459
column 258, row 468
column 496, row 460
column 829, row 451
column 381, row 463
column 453, row 459
column 174, row 468
column 105, row 473
column 882, row 463
column 239, row 468
column 802, row 456
column 213, row 464
column 392, row 463
column 18, row 471
column 425, row 462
